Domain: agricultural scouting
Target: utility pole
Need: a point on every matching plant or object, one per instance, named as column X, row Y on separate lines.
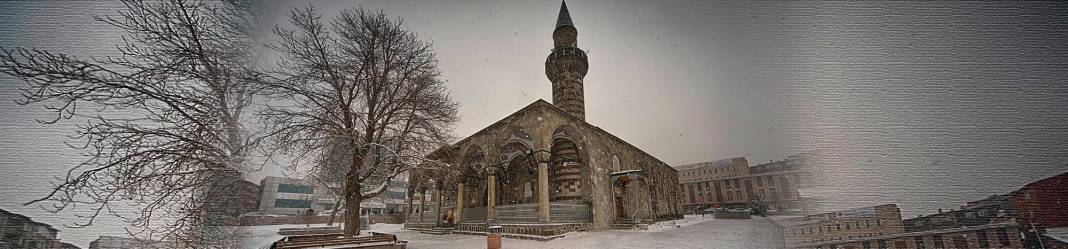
column 1034, row 229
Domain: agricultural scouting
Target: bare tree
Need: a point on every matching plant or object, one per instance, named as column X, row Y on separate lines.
column 367, row 81
column 163, row 129
column 331, row 171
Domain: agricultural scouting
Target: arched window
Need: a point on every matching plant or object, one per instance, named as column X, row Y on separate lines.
column 615, row 164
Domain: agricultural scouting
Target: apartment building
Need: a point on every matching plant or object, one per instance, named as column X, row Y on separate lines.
column 732, row 183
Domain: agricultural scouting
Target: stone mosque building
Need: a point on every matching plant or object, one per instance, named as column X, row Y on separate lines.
column 544, row 170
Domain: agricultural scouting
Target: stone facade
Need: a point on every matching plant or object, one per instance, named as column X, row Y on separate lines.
column 543, row 170
column 994, row 235
column 732, row 183
column 847, row 225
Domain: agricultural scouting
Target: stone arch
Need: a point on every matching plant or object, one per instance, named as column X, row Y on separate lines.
column 566, row 165
column 517, row 176
column 616, row 164
column 473, row 175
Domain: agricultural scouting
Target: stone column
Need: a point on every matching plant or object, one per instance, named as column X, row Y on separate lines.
column 437, row 206
column 543, row 191
column 459, row 203
column 407, row 206
column 491, row 196
column 422, row 204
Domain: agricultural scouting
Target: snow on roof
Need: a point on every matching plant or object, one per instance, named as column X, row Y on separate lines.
column 1059, row 234
column 625, row 172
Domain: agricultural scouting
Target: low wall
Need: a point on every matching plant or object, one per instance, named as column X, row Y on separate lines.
column 321, row 219
column 528, row 229
column 730, row 215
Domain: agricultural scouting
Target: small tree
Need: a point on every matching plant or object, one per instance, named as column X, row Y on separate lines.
column 759, row 204
column 163, row 132
column 365, row 81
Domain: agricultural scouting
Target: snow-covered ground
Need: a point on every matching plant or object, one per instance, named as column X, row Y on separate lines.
column 255, row 237
column 690, row 232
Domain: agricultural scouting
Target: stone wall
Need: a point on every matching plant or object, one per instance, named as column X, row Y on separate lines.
column 656, row 197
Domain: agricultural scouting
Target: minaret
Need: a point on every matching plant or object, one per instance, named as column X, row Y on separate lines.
column 566, row 66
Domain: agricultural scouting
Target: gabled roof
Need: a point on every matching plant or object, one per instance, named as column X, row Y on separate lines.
column 565, row 114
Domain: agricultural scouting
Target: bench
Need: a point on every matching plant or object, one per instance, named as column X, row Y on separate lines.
column 335, row 241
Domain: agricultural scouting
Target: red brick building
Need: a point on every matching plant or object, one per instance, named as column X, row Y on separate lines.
column 1041, row 204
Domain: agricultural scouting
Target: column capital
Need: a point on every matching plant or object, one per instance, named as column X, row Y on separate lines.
column 542, row 155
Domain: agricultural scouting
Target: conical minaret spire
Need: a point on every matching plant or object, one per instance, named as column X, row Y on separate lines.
column 566, row 66
column 564, row 19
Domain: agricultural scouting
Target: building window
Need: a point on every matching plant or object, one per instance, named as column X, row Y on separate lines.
column 771, row 181
column 901, row 244
column 866, row 244
column 981, row 236
column 919, row 242
column 299, row 189
column 847, row 226
column 1003, row 236
column 730, row 196
column 737, row 184
column 878, row 222
column 938, row 243
column 838, row 227
column 760, row 181
column 867, row 223
column 882, row 244
column 289, row 203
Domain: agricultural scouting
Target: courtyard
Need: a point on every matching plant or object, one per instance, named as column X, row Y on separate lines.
column 693, row 231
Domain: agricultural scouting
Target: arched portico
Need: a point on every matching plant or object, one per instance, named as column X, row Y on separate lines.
column 567, row 165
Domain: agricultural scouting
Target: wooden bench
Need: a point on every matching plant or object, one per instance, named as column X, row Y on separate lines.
column 334, row 241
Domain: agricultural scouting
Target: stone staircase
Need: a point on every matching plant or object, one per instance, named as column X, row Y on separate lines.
column 528, row 213
column 520, row 213
column 624, row 224
column 439, row 230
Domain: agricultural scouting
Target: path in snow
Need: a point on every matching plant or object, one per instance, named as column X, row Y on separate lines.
column 694, row 232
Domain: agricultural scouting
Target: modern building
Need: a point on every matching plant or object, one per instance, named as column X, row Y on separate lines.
column 1004, row 234
column 391, row 201
column 732, row 183
column 1037, row 207
column 287, row 196
column 19, row 231
column 544, row 170
column 112, row 242
column 1040, row 206
column 975, row 213
column 842, row 226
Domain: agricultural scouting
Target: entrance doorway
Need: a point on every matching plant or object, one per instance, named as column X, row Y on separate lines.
column 619, row 206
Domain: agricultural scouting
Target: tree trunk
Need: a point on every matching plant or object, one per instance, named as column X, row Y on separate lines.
column 333, row 213
column 353, row 194
column 352, row 216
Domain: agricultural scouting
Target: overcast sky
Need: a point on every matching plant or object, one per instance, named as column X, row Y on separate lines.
column 926, row 105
